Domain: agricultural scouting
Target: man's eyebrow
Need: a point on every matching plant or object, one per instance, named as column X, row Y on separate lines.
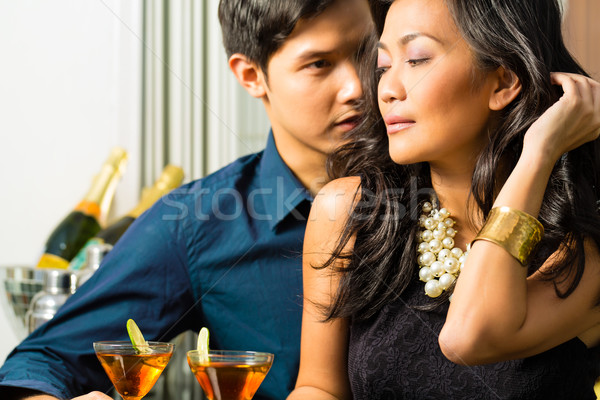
column 314, row 54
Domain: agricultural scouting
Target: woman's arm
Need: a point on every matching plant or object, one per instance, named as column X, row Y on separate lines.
column 323, row 372
column 497, row 313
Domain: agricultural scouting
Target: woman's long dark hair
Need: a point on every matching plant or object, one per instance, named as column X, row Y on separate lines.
column 521, row 36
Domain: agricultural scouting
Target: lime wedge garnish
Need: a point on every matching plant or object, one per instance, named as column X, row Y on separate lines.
column 137, row 339
column 203, row 345
column 203, row 341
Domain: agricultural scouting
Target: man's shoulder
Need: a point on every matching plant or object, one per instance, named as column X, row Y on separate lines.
column 244, row 169
column 201, row 199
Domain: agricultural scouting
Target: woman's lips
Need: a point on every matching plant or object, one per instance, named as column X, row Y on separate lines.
column 396, row 124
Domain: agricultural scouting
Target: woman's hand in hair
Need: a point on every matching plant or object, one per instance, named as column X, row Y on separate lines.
column 570, row 122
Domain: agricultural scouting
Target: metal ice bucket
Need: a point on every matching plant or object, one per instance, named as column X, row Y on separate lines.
column 19, row 285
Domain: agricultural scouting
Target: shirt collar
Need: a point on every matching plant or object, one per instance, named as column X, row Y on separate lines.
column 287, row 191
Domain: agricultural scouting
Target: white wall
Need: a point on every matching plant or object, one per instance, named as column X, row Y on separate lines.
column 70, row 76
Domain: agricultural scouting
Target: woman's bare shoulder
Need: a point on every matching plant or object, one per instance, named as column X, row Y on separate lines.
column 337, row 196
column 330, row 211
column 348, row 182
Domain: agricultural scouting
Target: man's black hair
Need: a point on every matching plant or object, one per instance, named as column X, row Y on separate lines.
column 258, row 28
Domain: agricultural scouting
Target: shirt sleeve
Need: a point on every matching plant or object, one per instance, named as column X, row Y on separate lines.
column 144, row 277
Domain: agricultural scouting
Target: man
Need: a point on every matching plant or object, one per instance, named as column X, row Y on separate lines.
column 223, row 251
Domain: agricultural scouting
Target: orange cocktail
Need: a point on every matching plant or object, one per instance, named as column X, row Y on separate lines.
column 229, row 375
column 133, row 373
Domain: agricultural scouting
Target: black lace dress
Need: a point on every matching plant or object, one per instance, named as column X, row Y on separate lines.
column 395, row 355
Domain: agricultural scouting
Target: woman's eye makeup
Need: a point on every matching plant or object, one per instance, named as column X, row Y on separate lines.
column 410, row 56
column 416, row 54
column 417, row 61
column 383, row 63
column 383, row 60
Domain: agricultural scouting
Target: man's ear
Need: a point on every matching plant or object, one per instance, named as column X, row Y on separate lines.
column 507, row 88
column 248, row 74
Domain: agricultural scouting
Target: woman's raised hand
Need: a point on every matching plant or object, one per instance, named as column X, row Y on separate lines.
column 570, row 122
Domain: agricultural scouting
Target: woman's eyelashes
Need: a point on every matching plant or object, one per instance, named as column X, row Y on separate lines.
column 409, row 56
column 417, row 61
column 413, row 62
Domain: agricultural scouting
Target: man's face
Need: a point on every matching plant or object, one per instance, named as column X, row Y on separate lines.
column 313, row 84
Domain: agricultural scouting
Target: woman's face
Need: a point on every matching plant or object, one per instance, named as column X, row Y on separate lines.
column 434, row 102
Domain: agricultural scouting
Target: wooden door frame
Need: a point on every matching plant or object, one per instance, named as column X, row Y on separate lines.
column 582, row 33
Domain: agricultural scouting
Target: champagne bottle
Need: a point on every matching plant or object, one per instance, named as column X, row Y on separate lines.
column 86, row 219
column 170, row 178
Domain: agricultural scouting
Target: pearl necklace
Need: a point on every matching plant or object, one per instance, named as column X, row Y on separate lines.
column 439, row 261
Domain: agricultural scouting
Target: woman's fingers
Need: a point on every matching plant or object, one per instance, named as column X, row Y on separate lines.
column 570, row 122
column 567, row 82
column 584, row 95
column 580, row 87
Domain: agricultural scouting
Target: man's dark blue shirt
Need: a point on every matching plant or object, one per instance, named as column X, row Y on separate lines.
column 222, row 252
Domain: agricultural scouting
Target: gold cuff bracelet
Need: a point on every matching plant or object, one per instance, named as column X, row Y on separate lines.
column 515, row 231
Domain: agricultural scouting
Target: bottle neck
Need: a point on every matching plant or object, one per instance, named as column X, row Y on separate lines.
column 99, row 197
column 149, row 197
column 170, row 178
column 90, row 208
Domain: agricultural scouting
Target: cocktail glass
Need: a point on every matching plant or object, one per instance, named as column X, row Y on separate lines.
column 228, row 374
column 133, row 373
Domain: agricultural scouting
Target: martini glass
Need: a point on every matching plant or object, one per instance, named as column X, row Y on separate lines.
column 133, row 373
column 228, row 374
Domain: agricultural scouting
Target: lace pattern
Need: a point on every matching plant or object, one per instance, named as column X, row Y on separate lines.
column 395, row 355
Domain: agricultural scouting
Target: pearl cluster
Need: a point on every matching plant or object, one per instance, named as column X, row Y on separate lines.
column 439, row 261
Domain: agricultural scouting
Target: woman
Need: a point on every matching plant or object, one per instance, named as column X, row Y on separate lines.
column 461, row 89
